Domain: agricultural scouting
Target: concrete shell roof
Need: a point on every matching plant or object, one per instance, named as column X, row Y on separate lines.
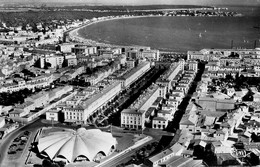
column 70, row 143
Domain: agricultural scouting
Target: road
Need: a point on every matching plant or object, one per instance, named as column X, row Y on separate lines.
column 119, row 159
column 5, row 143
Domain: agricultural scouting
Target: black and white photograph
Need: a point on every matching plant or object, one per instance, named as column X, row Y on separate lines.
column 129, row 83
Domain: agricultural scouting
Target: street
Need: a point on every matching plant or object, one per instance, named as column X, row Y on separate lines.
column 5, row 143
column 126, row 154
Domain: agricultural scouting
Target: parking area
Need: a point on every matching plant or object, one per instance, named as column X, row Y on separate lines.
column 18, row 145
column 17, row 150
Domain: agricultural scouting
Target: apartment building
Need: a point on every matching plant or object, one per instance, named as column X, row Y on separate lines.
column 128, row 78
column 79, row 111
column 132, row 118
column 84, row 50
column 54, row 60
column 193, row 65
column 167, row 78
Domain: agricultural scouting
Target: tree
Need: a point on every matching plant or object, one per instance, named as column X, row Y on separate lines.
column 254, row 159
column 47, row 65
column 34, row 27
column 249, row 96
column 229, row 77
column 255, row 138
column 242, row 78
column 46, row 163
column 61, row 164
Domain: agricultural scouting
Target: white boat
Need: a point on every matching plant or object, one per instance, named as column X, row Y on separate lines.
column 200, row 35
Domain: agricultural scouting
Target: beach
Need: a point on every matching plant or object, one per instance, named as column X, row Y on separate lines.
column 75, row 36
column 173, row 34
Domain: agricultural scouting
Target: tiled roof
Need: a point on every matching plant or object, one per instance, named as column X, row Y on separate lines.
column 159, row 119
column 130, row 111
column 186, row 122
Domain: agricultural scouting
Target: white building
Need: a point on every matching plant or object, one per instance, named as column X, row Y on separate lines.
column 151, row 55
column 40, row 99
column 167, row 78
column 80, row 113
column 174, row 103
column 2, row 122
column 135, row 73
column 146, row 99
column 53, row 114
column 55, row 61
column 132, row 118
column 193, row 65
column 85, row 50
column 22, row 110
column 162, row 119
column 162, row 157
column 66, row 47
column 159, row 123
column 189, row 123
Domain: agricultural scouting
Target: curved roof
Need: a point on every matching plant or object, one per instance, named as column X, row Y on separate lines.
column 70, row 143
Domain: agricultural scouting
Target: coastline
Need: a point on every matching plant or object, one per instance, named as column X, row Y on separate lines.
column 74, row 36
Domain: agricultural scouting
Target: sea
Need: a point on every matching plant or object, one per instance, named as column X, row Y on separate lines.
column 180, row 34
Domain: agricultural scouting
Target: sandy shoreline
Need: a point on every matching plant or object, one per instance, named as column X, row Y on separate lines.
column 74, row 35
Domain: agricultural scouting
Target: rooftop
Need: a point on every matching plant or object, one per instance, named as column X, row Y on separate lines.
column 134, row 70
column 252, row 123
column 23, row 105
column 142, row 99
column 149, row 111
column 164, row 112
column 158, row 100
column 169, row 72
column 160, row 155
column 213, row 104
column 130, row 111
column 98, row 95
column 159, row 119
column 38, row 95
column 178, row 161
column 225, row 156
column 211, row 113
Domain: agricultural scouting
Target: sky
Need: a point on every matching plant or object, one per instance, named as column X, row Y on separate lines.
column 142, row 2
